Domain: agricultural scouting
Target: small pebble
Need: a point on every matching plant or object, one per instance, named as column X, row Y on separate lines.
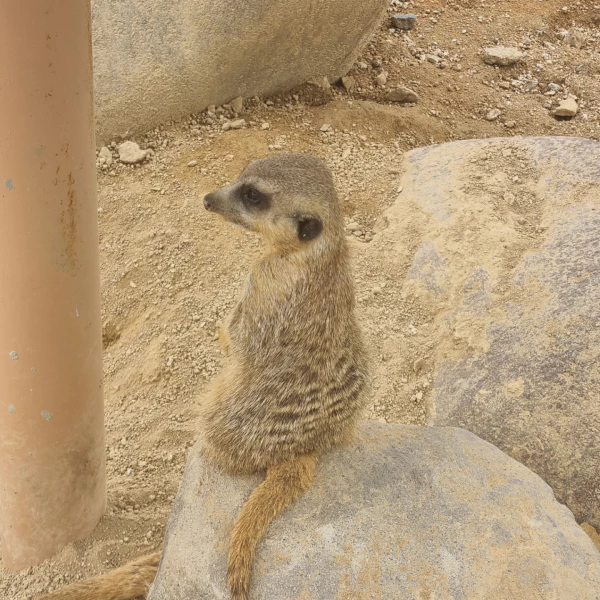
column 404, row 22
column 105, row 156
column 402, row 94
column 237, row 104
column 566, row 108
column 493, row 114
column 502, row 56
column 381, row 79
column 237, row 124
column 131, row 154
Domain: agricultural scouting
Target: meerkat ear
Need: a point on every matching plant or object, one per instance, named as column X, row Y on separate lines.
column 309, row 227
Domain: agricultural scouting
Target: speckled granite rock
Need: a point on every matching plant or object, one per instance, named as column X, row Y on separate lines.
column 404, row 513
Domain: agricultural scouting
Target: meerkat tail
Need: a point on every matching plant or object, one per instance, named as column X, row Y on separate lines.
column 127, row 582
column 283, row 485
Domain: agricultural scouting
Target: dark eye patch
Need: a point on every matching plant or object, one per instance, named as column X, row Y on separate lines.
column 253, row 199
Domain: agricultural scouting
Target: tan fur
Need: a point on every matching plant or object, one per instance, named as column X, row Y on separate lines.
column 124, row 583
column 284, row 483
column 296, row 371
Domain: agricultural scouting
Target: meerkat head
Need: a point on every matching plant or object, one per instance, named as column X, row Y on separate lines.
column 290, row 199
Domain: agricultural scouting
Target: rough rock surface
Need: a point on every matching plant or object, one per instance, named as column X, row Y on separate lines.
column 516, row 302
column 156, row 61
column 404, row 512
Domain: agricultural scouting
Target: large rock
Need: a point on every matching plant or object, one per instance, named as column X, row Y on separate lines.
column 404, row 513
column 507, row 262
column 155, row 61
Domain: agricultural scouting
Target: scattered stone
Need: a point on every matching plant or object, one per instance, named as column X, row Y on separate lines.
column 493, row 114
column 106, row 157
column 404, row 22
column 510, row 124
column 509, row 198
column 317, row 91
column 265, row 126
column 502, row 56
column 552, row 87
column 577, row 38
column 376, row 63
column 437, row 506
column 131, row 154
column 566, row 108
column 325, row 127
column 418, row 365
column 530, row 85
column 349, row 83
column 381, row 79
column 237, row 124
column 192, row 163
column 402, row 94
column 237, row 104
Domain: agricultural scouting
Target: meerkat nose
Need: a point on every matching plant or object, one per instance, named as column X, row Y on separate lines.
column 209, row 201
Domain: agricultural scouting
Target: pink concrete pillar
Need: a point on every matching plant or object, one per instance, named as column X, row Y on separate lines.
column 52, row 469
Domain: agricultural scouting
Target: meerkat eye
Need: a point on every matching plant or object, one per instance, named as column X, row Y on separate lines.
column 253, row 199
column 252, row 196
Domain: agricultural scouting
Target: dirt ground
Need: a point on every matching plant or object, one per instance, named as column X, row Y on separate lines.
column 171, row 272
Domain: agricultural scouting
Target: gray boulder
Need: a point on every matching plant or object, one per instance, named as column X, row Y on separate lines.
column 404, row 512
column 155, row 61
column 508, row 265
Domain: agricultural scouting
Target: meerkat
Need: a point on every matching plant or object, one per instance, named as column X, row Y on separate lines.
column 296, row 370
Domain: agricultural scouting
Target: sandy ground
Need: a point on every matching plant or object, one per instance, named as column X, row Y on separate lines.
column 171, row 272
